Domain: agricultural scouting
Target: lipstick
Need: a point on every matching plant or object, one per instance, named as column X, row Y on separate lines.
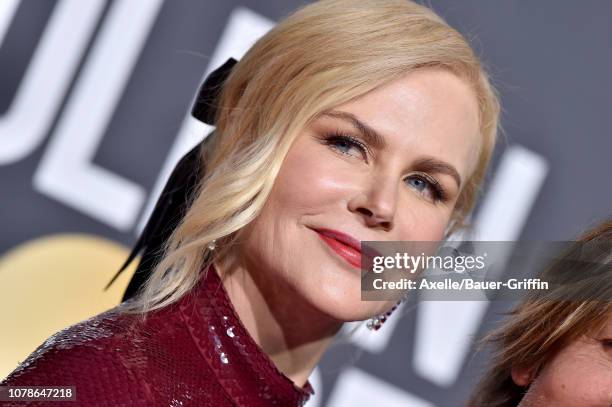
column 344, row 245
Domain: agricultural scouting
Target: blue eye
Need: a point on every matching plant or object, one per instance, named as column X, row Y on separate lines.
column 418, row 184
column 427, row 186
column 344, row 143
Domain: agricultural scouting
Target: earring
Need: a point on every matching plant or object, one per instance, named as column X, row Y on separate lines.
column 212, row 245
column 376, row 322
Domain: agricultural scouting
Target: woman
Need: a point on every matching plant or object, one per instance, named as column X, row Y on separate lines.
column 556, row 348
column 349, row 121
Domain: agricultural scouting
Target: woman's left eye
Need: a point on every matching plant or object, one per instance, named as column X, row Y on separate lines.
column 427, row 186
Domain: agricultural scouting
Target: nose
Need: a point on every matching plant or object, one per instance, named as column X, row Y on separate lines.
column 376, row 203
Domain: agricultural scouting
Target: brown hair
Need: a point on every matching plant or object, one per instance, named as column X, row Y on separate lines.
column 543, row 324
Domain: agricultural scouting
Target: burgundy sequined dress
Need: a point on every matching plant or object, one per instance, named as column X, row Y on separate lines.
column 195, row 352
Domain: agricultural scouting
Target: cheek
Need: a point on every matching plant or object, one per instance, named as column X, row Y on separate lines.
column 308, row 182
column 575, row 380
column 303, row 187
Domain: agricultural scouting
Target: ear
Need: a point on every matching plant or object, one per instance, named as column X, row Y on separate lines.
column 522, row 376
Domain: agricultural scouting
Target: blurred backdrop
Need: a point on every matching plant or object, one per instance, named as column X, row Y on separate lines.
column 94, row 101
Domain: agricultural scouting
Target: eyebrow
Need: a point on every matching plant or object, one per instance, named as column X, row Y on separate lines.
column 369, row 134
column 372, row 137
column 430, row 164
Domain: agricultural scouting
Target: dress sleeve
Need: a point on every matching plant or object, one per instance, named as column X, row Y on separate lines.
column 91, row 358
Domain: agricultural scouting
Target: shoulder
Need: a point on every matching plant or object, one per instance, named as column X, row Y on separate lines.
column 89, row 355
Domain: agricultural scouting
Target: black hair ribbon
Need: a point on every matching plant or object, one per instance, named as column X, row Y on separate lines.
column 174, row 200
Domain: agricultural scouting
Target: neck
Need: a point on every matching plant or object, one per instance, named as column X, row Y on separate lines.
column 291, row 331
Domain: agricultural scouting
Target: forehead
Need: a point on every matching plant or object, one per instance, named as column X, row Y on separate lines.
column 428, row 111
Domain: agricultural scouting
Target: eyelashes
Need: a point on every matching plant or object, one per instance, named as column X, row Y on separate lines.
column 339, row 140
column 438, row 192
column 344, row 143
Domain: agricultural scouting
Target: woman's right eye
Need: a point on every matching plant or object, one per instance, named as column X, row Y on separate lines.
column 344, row 143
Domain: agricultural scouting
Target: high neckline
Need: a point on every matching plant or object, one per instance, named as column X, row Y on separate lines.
column 230, row 350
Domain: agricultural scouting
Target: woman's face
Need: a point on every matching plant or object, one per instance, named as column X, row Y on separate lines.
column 387, row 166
column 580, row 375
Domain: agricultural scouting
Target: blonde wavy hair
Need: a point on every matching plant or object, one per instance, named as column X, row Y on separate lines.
column 324, row 54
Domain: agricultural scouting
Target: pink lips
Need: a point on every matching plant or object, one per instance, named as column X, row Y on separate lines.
column 346, row 246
